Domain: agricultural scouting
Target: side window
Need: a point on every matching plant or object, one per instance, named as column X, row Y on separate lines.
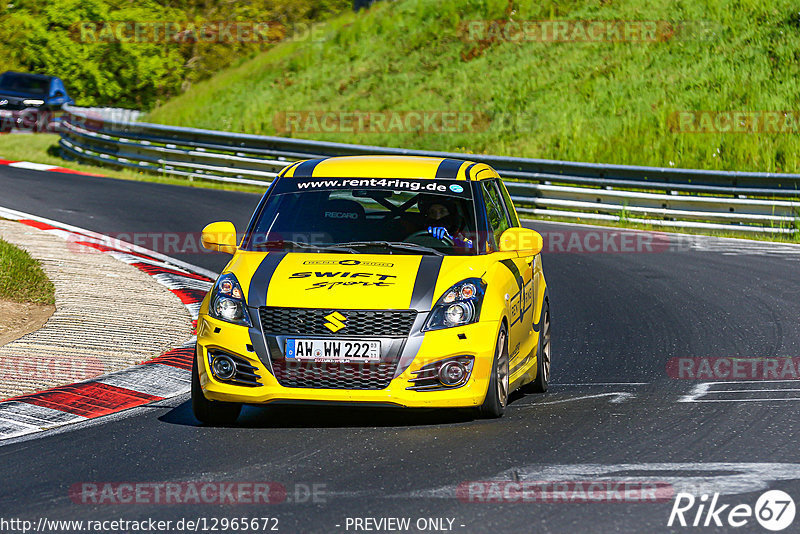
column 495, row 211
column 512, row 213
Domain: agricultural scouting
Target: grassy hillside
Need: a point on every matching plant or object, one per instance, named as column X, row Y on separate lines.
column 590, row 101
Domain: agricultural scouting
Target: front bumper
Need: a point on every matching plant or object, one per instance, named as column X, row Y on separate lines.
column 476, row 340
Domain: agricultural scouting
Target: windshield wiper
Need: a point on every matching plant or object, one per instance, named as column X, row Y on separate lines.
column 309, row 246
column 399, row 245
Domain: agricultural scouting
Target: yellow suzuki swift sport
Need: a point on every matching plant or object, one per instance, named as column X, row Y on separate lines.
column 375, row 280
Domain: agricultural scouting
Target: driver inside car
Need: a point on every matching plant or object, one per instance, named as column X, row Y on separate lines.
column 442, row 220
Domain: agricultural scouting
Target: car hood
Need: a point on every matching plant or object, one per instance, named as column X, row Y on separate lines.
column 350, row 281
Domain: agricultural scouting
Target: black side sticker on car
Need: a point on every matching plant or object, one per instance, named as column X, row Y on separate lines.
column 517, row 302
column 514, row 271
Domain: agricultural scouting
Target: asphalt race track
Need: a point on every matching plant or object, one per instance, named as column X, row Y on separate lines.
column 613, row 409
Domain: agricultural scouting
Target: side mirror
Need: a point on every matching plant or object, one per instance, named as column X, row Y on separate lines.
column 220, row 236
column 523, row 241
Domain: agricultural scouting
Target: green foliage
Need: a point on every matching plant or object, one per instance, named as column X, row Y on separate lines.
column 47, row 37
column 22, row 278
column 586, row 101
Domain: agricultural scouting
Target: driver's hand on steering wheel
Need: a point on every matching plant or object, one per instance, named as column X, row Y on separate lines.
column 439, row 232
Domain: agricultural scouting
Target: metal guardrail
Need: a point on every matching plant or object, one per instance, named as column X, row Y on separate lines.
column 743, row 201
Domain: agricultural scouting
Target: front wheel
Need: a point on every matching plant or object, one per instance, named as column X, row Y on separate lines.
column 207, row 411
column 494, row 405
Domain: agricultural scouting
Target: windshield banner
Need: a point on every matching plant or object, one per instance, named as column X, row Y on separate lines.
column 454, row 188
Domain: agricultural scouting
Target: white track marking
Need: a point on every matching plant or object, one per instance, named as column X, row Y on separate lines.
column 13, row 429
column 726, row 478
column 618, row 396
column 702, row 392
column 22, row 412
column 754, row 390
column 20, row 418
column 174, row 281
column 32, row 166
column 155, row 379
column 582, row 384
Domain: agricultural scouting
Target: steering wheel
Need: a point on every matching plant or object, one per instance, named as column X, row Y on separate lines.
column 422, row 237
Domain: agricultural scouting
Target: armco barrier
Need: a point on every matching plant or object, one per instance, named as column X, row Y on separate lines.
column 744, row 201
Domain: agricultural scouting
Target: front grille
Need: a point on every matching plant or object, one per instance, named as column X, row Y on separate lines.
column 360, row 323
column 333, row 375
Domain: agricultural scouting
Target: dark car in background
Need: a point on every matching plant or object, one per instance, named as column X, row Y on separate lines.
column 29, row 101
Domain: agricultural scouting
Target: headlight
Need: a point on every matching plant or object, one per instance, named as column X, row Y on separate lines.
column 227, row 301
column 33, row 102
column 460, row 305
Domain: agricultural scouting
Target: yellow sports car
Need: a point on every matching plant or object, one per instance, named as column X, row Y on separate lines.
column 375, row 280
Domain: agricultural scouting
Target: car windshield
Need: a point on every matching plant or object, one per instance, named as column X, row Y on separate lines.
column 22, row 83
column 376, row 215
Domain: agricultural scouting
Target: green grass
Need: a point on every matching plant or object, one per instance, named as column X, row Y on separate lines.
column 43, row 148
column 605, row 102
column 22, row 278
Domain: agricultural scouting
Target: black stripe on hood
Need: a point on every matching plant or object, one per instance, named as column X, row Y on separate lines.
column 425, row 283
column 257, row 295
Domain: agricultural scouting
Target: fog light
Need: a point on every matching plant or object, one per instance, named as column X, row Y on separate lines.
column 452, row 373
column 223, row 367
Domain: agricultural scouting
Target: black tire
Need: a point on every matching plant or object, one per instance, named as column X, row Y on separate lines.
column 211, row 412
column 494, row 405
column 540, row 383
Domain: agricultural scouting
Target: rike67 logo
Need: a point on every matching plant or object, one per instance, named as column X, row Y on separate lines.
column 774, row 510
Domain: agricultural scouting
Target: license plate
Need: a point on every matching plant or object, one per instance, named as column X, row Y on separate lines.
column 6, row 113
column 333, row 350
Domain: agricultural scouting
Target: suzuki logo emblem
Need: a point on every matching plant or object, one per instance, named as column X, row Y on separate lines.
column 335, row 321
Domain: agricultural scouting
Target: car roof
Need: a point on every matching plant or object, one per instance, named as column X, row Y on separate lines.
column 30, row 74
column 408, row 167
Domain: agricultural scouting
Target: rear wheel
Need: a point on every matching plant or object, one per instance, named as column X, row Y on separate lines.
column 207, row 411
column 494, row 405
column 539, row 385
